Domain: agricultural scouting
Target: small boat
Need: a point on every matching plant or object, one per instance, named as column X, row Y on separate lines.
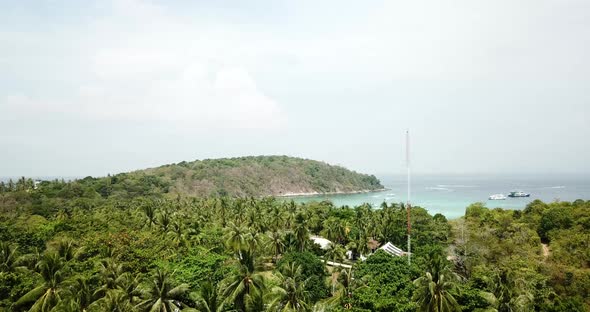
column 518, row 194
column 497, row 197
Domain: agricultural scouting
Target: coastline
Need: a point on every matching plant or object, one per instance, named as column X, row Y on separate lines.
column 305, row 194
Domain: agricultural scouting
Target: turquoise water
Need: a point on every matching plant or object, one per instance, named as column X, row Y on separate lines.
column 450, row 195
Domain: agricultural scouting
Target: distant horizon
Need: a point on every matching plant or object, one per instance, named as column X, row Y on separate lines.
column 401, row 172
column 380, row 176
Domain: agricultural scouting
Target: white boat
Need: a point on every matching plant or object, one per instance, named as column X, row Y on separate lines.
column 518, row 194
column 497, row 197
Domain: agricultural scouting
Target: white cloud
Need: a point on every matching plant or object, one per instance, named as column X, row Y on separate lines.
column 224, row 98
column 229, row 99
column 456, row 40
column 155, row 73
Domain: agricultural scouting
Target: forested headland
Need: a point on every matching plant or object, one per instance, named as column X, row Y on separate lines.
column 245, row 176
column 127, row 243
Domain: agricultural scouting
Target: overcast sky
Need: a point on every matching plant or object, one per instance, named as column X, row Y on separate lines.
column 97, row 87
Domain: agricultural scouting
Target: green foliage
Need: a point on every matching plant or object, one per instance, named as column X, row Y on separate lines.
column 313, row 268
column 501, row 253
column 197, row 266
column 234, row 177
column 161, row 294
column 290, row 294
column 554, row 218
column 571, row 304
column 472, row 299
column 389, row 283
column 103, row 244
column 476, row 211
column 437, row 288
column 244, row 283
column 254, row 176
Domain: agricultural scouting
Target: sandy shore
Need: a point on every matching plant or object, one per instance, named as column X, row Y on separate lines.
column 328, row 193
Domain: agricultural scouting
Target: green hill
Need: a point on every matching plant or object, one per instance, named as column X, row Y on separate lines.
column 256, row 176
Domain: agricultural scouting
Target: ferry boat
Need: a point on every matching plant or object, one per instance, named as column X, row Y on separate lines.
column 518, row 194
column 497, row 197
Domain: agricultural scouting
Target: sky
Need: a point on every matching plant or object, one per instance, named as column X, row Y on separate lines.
column 485, row 87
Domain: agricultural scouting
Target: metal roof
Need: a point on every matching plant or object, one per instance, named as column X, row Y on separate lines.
column 392, row 250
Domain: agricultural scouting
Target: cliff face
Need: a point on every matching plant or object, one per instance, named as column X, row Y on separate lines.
column 257, row 176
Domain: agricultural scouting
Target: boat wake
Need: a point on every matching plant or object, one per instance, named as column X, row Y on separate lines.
column 439, row 188
column 455, row 185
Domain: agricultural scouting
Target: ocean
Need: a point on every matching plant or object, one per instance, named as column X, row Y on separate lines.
column 450, row 195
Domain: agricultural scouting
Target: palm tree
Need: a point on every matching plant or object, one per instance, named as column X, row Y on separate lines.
column 322, row 306
column 109, row 272
column 9, row 257
column 194, row 230
column 254, row 240
column 222, row 208
column 178, row 234
column 331, row 229
column 347, row 284
column 245, row 281
column 66, row 248
column 30, row 260
column 334, row 253
column 255, row 302
column 278, row 246
column 208, row 299
column 48, row 294
column 277, row 216
column 290, row 241
column 239, row 210
column 113, row 301
column 254, row 219
column 358, row 246
column 434, row 291
column 362, row 244
column 509, row 292
column 82, row 295
column 301, row 232
column 362, row 216
column 290, row 295
column 150, row 212
column 236, row 237
column 335, row 229
column 159, row 295
column 69, row 304
column 129, row 286
column 164, row 220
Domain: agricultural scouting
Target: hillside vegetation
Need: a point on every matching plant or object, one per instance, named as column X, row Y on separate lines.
column 227, row 177
column 537, row 259
column 257, row 176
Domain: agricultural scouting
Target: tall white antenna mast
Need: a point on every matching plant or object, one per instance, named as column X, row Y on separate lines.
column 408, row 202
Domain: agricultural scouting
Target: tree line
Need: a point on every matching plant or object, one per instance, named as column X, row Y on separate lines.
column 72, row 246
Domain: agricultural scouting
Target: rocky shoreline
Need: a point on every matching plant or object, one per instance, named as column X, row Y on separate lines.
column 303, row 194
